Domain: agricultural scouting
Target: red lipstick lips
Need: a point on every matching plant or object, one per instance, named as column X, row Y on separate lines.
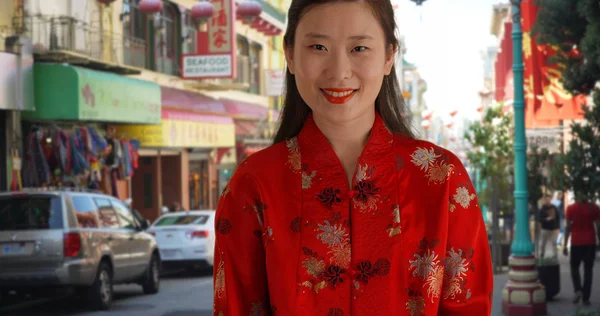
column 338, row 95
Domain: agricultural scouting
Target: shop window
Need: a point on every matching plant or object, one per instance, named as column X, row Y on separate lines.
column 135, row 34
column 255, row 68
column 243, row 60
column 86, row 212
column 166, row 41
column 199, row 185
column 189, row 35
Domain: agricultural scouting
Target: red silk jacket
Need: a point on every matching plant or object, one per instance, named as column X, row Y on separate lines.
column 407, row 239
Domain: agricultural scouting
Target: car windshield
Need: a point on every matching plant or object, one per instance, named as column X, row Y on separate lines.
column 184, row 219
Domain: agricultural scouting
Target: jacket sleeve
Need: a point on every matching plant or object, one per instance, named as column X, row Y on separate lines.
column 468, row 277
column 240, row 281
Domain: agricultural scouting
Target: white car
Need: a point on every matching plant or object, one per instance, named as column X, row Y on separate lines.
column 186, row 239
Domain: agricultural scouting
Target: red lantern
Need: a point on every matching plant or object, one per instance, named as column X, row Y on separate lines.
column 249, row 9
column 151, row 6
column 202, row 11
column 106, row 2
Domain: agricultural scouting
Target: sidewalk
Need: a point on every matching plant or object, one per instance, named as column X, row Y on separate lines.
column 562, row 304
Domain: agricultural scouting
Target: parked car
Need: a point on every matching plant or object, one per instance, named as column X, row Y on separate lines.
column 186, row 239
column 82, row 240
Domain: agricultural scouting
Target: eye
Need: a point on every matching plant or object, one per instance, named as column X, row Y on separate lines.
column 318, row 47
column 360, row 48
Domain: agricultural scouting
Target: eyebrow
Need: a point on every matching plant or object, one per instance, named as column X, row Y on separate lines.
column 353, row 37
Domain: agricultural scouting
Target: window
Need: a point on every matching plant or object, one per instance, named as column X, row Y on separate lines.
column 135, row 26
column 86, row 212
column 108, row 216
column 182, row 220
column 255, row 68
column 30, row 213
column 124, row 215
column 166, row 41
column 189, row 35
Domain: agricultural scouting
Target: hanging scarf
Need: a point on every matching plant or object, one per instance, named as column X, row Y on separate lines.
column 65, row 152
column 41, row 165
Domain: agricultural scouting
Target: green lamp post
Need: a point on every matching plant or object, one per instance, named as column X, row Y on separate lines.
column 523, row 294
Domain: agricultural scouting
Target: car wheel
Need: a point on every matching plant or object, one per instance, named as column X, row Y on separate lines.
column 100, row 294
column 151, row 281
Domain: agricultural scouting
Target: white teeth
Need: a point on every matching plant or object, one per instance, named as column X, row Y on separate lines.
column 338, row 94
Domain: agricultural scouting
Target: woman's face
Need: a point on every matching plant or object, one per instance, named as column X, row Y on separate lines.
column 339, row 60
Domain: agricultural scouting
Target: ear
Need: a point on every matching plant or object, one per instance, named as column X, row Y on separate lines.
column 390, row 58
column 289, row 57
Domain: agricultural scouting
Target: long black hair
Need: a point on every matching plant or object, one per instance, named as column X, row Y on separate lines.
column 389, row 103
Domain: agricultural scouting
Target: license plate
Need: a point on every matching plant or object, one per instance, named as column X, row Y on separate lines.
column 168, row 253
column 13, row 249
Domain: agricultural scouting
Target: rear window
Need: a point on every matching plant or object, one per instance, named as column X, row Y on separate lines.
column 182, row 220
column 30, row 212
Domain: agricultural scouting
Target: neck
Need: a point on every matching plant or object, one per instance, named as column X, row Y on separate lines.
column 347, row 136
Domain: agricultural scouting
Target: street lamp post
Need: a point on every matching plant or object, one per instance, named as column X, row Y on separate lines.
column 523, row 294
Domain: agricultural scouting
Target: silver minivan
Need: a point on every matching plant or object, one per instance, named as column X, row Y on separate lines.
column 84, row 240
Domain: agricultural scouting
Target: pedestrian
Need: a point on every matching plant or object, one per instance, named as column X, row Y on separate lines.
column 581, row 218
column 347, row 213
column 548, row 225
column 558, row 202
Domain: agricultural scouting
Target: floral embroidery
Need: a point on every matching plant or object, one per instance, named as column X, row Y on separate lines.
column 334, row 275
column 329, row 197
column 434, row 282
column 367, row 194
column 365, row 271
column 423, row 158
column 335, row 312
column 438, row 173
column 313, row 266
column 463, row 197
column 451, row 207
column 296, row 224
column 341, row 255
column 382, row 267
column 258, row 309
column 223, row 226
column 332, row 235
column 424, row 264
column 307, row 179
column 225, row 191
column 395, row 229
column 456, row 266
column 416, row 306
column 294, row 158
column 220, row 280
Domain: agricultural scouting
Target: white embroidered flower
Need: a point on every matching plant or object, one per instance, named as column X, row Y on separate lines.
column 423, row 265
column 456, row 265
column 332, row 235
column 463, row 197
column 423, row 158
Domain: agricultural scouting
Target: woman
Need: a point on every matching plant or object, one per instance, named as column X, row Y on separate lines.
column 347, row 214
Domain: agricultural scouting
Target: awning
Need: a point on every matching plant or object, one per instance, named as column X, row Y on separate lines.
column 191, row 101
column 246, row 128
column 181, row 129
column 68, row 93
column 246, row 110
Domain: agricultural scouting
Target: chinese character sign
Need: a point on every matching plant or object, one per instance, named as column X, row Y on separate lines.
column 221, row 27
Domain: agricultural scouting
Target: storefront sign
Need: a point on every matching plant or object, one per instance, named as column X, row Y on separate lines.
column 184, row 130
column 216, row 47
column 543, row 139
column 202, row 66
column 65, row 92
column 275, row 80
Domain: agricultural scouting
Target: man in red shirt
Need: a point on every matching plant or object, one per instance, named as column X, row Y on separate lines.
column 580, row 220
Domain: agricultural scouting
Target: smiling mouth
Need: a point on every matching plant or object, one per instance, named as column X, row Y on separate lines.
column 338, row 96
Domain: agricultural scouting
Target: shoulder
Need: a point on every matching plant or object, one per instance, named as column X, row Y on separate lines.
column 260, row 165
column 428, row 157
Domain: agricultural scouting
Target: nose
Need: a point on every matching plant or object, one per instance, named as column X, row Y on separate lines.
column 339, row 66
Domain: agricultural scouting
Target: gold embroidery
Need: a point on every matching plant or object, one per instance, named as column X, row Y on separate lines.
column 307, row 179
column 341, row 255
column 396, row 228
column 225, row 191
column 313, row 266
column 416, row 306
column 307, row 284
column 438, row 173
column 319, row 286
column 455, row 268
column 434, row 282
column 451, row 207
column 394, row 231
column 362, row 173
column 463, row 197
column 220, row 280
column 294, row 158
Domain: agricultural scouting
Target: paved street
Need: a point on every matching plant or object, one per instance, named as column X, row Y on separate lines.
column 180, row 295
column 561, row 305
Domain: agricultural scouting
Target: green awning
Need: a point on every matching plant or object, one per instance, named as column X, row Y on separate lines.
column 68, row 93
